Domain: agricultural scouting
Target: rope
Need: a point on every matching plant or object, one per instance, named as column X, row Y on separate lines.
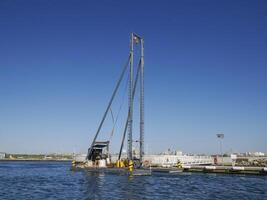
column 120, row 108
column 89, row 154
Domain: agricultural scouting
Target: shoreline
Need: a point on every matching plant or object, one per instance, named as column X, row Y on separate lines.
column 39, row 160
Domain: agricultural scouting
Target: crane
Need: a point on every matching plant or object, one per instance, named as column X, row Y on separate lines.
column 95, row 151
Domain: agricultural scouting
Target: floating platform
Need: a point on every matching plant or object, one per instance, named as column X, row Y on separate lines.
column 227, row 169
column 114, row 170
column 167, row 170
column 173, row 170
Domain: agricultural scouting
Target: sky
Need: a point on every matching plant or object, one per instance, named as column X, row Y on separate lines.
column 205, row 73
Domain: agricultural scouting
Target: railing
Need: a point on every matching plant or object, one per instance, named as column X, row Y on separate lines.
column 171, row 160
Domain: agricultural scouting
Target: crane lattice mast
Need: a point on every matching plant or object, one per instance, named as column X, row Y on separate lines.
column 132, row 84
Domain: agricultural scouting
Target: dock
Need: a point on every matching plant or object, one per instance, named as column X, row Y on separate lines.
column 214, row 169
column 174, row 170
column 227, row 170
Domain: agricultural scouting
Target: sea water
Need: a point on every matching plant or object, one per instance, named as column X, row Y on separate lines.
column 55, row 180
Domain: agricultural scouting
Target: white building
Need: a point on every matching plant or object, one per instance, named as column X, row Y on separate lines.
column 172, row 160
column 254, row 154
column 2, row 155
column 258, row 154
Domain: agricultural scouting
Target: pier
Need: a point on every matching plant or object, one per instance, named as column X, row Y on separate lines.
column 228, row 169
column 175, row 170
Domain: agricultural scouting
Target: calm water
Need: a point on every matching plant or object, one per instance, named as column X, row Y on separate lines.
column 54, row 180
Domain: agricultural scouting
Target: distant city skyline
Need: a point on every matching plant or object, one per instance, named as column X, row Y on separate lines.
column 205, row 73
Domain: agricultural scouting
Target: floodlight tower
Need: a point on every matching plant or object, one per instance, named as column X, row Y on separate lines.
column 220, row 136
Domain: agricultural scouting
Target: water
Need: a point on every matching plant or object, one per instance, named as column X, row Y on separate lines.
column 54, row 180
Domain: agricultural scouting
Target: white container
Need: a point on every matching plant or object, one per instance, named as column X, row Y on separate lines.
column 108, row 161
column 238, row 168
column 102, row 163
column 186, row 166
column 89, row 163
column 210, row 167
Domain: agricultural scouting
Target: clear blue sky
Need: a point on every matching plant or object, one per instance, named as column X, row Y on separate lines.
column 205, row 72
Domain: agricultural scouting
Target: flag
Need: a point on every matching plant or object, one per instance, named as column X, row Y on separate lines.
column 221, row 135
column 136, row 39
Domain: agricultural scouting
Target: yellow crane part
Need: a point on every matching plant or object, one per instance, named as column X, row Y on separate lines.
column 73, row 163
column 120, row 164
column 131, row 166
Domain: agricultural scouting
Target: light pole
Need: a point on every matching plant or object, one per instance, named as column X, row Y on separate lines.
column 220, row 136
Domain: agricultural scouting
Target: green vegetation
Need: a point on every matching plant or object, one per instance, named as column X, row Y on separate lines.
column 39, row 156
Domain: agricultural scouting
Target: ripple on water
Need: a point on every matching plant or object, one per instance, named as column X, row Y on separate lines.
column 54, row 180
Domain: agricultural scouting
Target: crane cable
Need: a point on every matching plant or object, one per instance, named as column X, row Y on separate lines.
column 90, row 150
column 120, row 108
